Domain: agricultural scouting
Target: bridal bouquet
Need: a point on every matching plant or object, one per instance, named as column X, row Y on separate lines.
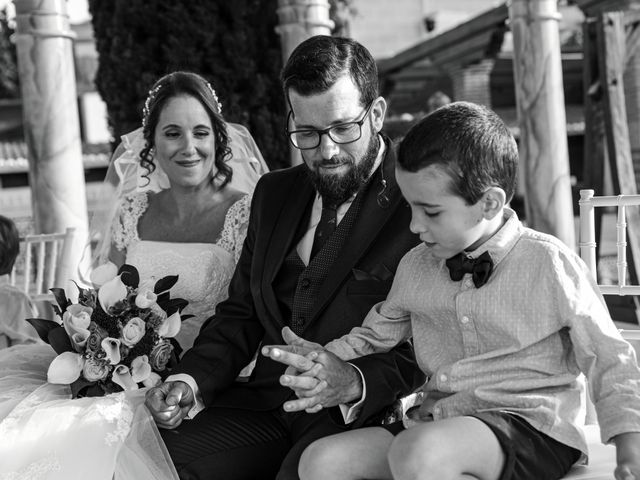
column 117, row 337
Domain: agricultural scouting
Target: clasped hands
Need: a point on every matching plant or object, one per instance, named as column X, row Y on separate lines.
column 318, row 377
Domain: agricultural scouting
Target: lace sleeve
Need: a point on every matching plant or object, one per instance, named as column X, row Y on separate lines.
column 235, row 227
column 124, row 229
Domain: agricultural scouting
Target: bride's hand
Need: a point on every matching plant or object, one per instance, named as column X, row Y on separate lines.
column 170, row 403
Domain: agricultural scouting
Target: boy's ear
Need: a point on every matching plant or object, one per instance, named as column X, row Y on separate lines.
column 493, row 202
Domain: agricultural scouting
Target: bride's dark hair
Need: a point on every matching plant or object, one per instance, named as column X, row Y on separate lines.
column 185, row 83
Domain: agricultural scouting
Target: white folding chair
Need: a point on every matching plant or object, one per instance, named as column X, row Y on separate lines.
column 47, row 263
column 588, row 202
column 602, row 458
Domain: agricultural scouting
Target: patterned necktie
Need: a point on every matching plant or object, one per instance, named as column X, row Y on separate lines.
column 480, row 268
column 326, row 226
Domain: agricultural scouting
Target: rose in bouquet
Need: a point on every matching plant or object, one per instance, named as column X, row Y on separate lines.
column 119, row 336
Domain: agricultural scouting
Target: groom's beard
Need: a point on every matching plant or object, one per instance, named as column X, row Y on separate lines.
column 341, row 187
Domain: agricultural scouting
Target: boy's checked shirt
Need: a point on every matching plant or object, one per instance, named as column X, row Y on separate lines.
column 516, row 344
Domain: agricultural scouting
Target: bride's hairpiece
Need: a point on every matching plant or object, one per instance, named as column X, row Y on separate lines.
column 152, row 95
column 215, row 97
column 147, row 104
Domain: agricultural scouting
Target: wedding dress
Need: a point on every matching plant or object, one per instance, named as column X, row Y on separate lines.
column 46, row 435
column 204, row 269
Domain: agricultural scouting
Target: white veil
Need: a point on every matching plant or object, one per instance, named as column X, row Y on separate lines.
column 125, row 177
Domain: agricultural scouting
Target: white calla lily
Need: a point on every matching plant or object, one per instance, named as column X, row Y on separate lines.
column 170, row 326
column 79, row 340
column 112, row 292
column 103, row 273
column 65, row 368
column 152, row 380
column 111, row 347
column 140, row 368
column 122, row 376
column 145, row 299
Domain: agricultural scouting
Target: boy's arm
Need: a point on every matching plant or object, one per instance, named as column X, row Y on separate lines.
column 608, row 361
column 628, row 456
column 379, row 333
column 386, row 325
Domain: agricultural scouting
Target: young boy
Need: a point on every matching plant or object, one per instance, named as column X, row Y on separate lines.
column 503, row 320
column 15, row 305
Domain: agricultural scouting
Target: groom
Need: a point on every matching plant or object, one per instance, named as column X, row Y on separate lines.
column 323, row 243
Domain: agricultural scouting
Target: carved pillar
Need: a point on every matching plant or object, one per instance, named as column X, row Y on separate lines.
column 50, row 110
column 299, row 20
column 541, row 117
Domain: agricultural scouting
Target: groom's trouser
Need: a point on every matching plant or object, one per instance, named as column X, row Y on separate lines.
column 235, row 444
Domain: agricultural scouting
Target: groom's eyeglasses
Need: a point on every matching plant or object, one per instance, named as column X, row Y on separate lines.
column 308, row 138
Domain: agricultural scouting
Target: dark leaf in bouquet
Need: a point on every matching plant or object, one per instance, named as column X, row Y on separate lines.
column 43, row 327
column 129, row 275
column 107, row 388
column 163, row 300
column 84, row 294
column 165, row 284
column 175, row 305
column 61, row 298
column 177, row 351
column 59, row 340
column 82, row 386
column 186, row 317
column 56, row 310
column 105, row 321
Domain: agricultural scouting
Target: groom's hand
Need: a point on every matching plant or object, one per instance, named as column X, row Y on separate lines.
column 295, row 345
column 319, row 378
column 169, row 403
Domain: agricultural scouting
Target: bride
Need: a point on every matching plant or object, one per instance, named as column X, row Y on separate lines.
column 183, row 189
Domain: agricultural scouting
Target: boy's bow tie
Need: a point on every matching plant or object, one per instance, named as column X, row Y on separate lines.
column 480, row 268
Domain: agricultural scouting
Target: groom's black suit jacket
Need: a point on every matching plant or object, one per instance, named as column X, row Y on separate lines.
column 251, row 316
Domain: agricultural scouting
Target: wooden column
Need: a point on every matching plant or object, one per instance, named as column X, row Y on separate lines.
column 50, row 110
column 631, row 80
column 542, row 118
column 299, row 20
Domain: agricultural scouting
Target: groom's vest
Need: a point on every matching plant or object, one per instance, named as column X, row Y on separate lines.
column 296, row 285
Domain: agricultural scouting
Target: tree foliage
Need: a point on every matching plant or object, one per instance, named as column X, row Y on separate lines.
column 9, row 80
column 233, row 44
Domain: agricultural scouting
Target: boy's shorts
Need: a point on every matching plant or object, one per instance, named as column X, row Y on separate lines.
column 529, row 453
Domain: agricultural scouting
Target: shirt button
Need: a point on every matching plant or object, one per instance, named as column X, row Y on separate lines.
column 443, row 378
column 465, row 319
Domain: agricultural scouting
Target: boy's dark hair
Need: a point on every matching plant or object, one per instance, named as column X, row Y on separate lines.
column 317, row 63
column 9, row 244
column 470, row 142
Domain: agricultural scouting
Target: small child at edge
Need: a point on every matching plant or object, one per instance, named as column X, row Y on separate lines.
column 15, row 305
column 503, row 320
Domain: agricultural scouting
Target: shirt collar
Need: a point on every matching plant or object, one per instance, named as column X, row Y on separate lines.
column 501, row 243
